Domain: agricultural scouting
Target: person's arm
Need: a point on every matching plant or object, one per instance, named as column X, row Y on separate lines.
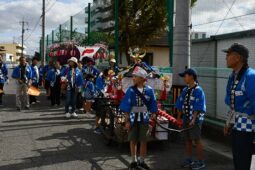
column 250, row 91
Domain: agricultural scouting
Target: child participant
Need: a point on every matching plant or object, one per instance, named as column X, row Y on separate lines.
column 88, row 92
column 192, row 105
column 138, row 104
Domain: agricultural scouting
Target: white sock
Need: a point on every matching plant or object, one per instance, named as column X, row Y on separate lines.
column 134, row 158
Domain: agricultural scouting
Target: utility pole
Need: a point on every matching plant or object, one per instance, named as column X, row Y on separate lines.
column 22, row 36
column 43, row 33
column 181, row 43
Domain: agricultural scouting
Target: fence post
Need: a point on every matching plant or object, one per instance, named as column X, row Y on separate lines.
column 60, row 33
column 116, row 18
column 170, row 20
column 71, row 28
column 52, row 38
column 89, row 8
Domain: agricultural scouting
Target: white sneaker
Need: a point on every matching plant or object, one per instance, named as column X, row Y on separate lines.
column 91, row 115
column 68, row 115
column 74, row 115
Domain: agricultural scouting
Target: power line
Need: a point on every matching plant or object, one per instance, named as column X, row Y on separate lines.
column 209, row 44
column 51, row 6
column 211, row 22
column 34, row 28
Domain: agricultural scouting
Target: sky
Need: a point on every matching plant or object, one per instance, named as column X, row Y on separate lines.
column 59, row 11
column 14, row 11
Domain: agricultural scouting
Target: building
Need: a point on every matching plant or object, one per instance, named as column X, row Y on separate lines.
column 101, row 16
column 12, row 50
column 198, row 35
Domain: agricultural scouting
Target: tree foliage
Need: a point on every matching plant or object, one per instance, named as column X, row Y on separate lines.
column 140, row 21
column 98, row 37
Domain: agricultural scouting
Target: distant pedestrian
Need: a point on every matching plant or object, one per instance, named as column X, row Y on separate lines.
column 54, row 78
column 72, row 77
column 23, row 76
column 240, row 97
column 35, row 78
column 3, row 78
column 191, row 106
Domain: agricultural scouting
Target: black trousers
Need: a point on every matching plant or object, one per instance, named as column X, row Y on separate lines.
column 242, row 148
column 55, row 94
column 1, row 94
column 33, row 98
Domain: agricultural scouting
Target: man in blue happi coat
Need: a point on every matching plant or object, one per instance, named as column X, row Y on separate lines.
column 240, row 98
column 3, row 78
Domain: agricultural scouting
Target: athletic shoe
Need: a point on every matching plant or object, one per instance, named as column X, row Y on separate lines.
column 74, row 115
column 198, row 165
column 33, row 103
column 97, row 131
column 68, row 115
column 133, row 166
column 27, row 108
column 187, row 163
column 143, row 166
column 18, row 109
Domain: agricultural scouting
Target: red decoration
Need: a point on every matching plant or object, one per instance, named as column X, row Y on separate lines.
column 163, row 95
column 63, row 52
column 170, row 118
column 73, row 53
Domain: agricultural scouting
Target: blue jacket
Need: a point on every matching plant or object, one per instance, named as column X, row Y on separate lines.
column 35, row 79
column 52, row 76
column 245, row 92
column 3, row 73
column 100, row 83
column 129, row 101
column 17, row 70
column 44, row 71
column 78, row 76
column 93, row 71
column 197, row 103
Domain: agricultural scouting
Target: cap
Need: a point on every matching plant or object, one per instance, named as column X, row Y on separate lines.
column 189, row 71
column 238, row 48
column 113, row 60
column 139, row 72
column 73, row 59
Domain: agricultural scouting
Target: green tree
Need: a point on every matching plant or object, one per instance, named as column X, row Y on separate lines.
column 98, row 37
column 140, row 22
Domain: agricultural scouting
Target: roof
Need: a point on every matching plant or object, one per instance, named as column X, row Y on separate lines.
column 247, row 33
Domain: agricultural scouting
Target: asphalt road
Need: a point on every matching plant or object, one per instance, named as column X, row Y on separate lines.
column 41, row 138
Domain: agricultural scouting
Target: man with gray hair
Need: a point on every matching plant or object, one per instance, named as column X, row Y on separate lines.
column 240, row 97
column 23, row 75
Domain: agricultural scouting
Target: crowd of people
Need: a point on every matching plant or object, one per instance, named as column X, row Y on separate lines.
column 80, row 82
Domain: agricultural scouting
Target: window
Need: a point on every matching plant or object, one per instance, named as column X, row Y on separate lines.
column 203, row 35
column 196, row 35
column 148, row 58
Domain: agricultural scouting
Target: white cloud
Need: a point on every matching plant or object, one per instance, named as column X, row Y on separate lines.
column 13, row 11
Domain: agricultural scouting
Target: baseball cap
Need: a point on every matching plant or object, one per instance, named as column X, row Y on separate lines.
column 189, row 71
column 238, row 48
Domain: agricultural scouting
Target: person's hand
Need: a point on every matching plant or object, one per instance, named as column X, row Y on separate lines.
column 7, row 81
column 226, row 130
column 154, row 116
column 179, row 122
column 127, row 126
column 192, row 123
column 20, row 81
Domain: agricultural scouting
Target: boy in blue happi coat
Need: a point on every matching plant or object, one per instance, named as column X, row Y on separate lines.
column 35, row 78
column 138, row 105
column 191, row 105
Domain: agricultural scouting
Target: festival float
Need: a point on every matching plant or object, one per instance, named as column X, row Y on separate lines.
column 113, row 122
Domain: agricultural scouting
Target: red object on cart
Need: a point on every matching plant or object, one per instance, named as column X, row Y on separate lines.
column 170, row 118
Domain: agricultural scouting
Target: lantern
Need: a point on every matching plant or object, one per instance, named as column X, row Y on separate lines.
column 73, row 53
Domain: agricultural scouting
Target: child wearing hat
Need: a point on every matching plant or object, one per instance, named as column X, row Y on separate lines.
column 192, row 106
column 73, row 78
column 138, row 105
